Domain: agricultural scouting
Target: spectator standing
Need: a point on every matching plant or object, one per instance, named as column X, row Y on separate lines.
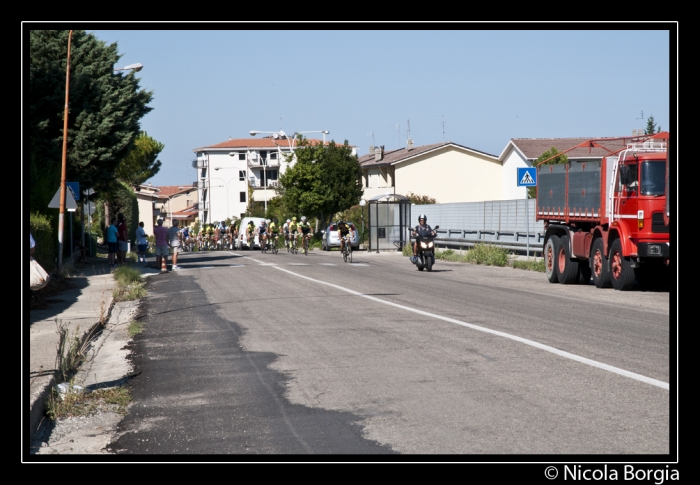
column 112, row 246
column 141, row 243
column 162, row 248
column 175, row 240
column 123, row 238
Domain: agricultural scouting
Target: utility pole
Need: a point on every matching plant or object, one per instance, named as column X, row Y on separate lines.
column 62, row 200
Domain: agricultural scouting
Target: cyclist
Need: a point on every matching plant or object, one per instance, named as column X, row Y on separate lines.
column 343, row 230
column 293, row 230
column 305, row 228
column 262, row 233
column 186, row 238
column 285, row 229
column 210, row 235
column 250, row 233
column 274, row 231
column 421, row 230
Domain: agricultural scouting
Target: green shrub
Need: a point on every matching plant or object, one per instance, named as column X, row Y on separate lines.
column 46, row 241
column 487, row 254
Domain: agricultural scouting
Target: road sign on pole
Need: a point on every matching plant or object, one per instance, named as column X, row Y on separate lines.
column 70, row 201
column 75, row 188
column 527, row 176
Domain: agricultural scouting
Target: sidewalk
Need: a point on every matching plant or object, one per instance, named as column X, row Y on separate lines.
column 82, row 310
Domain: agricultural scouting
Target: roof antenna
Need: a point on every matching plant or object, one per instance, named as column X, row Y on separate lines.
column 408, row 133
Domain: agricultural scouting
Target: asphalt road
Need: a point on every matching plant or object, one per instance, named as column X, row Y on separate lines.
column 250, row 353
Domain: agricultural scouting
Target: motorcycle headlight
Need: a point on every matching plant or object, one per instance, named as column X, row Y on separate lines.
column 423, row 245
column 430, row 244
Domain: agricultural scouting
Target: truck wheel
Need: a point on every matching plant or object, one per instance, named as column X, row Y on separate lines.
column 621, row 270
column 567, row 268
column 599, row 265
column 551, row 248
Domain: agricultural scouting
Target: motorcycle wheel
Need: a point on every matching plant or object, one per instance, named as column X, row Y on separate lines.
column 429, row 262
column 420, row 263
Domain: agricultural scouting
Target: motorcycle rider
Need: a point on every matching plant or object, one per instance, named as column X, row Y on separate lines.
column 421, row 230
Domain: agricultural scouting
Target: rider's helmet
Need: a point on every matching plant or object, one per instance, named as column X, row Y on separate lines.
column 288, row 221
column 294, row 218
column 251, row 223
column 268, row 221
column 303, row 218
column 339, row 223
column 424, row 217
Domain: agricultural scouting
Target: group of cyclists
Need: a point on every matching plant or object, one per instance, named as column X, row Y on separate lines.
column 295, row 233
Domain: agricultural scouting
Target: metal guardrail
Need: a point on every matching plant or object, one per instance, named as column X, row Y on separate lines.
column 512, row 241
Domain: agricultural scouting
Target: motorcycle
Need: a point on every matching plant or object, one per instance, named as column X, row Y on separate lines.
column 425, row 254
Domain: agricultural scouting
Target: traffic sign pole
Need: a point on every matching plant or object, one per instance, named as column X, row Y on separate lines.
column 527, row 177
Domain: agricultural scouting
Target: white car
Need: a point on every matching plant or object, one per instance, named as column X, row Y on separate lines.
column 330, row 237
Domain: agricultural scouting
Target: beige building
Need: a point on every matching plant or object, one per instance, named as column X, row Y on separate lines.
column 167, row 202
column 445, row 171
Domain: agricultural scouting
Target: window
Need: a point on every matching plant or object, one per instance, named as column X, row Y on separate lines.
column 273, row 156
column 241, row 156
column 242, row 196
column 241, row 175
column 263, row 157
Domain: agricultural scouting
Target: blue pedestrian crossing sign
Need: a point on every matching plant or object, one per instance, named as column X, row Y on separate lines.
column 527, row 176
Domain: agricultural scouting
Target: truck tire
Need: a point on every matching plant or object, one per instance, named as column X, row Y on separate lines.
column 599, row 265
column 567, row 268
column 621, row 270
column 551, row 249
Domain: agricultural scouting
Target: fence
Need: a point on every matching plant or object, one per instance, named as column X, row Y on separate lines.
column 509, row 224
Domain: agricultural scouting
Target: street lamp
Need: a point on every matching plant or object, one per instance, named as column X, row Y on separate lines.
column 290, row 141
column 131, row 67
column 363, row 203
column 227, row 186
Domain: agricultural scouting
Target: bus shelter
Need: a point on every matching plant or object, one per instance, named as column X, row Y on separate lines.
column 389, row 222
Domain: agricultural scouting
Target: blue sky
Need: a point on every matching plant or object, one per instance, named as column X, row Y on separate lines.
column 478, row 88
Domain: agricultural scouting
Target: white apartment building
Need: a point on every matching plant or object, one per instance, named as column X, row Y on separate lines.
column 230, row 172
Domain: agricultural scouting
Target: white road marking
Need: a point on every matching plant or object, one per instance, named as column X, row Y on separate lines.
column 547, row 348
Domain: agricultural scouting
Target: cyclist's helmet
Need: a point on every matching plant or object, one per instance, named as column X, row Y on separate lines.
column 269, row 221
column 288, row 221
column 424, row 217
column 294, row 218
column 340, row 222
column 251, row 223
column 303, row 218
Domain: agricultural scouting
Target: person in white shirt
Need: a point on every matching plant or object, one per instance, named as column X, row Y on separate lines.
column 141, row 243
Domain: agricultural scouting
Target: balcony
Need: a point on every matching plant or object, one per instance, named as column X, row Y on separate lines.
column 200, row 163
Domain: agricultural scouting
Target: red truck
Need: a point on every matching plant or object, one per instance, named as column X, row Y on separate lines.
column 609, row 219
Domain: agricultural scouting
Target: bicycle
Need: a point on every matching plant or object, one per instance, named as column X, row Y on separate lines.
column 347, row 249
column 263, row 243
column 305, row 244
column 294, row 244
column 275, row 243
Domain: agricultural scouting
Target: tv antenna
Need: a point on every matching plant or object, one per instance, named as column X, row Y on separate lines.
column 408, row 133
column 371, row 133
column 443, row 127
column 641, row 117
